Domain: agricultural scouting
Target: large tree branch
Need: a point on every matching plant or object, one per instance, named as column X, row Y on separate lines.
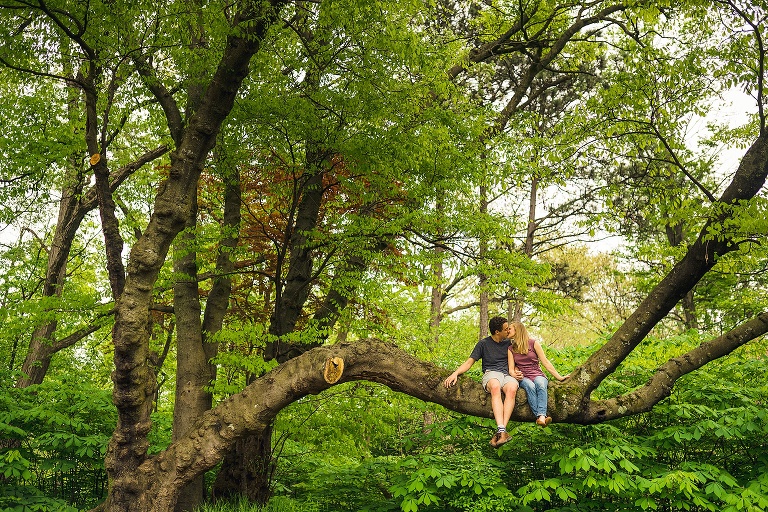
column 702, row 255
column 660, row 384
column 163, row 95
column 372, row 360
column 254, row 408
column 79, row 334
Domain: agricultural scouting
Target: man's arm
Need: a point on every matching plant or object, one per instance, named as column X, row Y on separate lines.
column 452, row 378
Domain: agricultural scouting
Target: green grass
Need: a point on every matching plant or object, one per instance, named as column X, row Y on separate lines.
column 276, row 504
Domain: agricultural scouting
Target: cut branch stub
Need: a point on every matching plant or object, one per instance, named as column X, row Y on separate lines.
column 334, row 367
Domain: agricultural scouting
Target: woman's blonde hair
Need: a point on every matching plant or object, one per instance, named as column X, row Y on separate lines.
column 520, row 338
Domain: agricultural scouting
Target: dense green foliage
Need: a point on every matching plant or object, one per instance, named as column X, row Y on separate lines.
column 400, row 169
column 54, row 438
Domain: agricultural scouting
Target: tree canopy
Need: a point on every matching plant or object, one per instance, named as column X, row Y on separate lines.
column 294, row 195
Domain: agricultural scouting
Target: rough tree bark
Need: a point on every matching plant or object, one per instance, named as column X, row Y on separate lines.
column 192, row 370
column 134, row 378
column 73, row 208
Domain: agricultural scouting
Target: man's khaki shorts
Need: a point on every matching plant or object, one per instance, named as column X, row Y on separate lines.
column 502, row 378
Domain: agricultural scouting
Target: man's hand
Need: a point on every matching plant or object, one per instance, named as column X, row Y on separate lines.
column 451, row 380
column 517, row 374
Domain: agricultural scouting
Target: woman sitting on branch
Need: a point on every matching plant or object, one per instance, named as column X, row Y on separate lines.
column 527, row 355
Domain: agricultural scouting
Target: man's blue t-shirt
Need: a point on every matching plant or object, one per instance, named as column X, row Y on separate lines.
column 493, row 355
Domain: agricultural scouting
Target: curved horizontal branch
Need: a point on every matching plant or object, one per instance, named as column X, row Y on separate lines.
column 700, row 258
column 372, row 360
column 660, row 384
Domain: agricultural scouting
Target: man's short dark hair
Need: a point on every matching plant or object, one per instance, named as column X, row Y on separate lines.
column 496, row 324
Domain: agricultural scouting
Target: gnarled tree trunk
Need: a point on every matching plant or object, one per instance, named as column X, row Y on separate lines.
column 134, row 378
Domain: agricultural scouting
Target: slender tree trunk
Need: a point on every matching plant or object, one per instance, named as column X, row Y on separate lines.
column 255, row 455
column 482, row 277
column 516, row 307
column 342, row 288
column 675, row 237
column 195, row 346
column 73, row 208
column 438, row 287
column 41, row 348
column 71, row 215
column 218, row 298
column 436, row 301
column 97, row 142
column 290, row 297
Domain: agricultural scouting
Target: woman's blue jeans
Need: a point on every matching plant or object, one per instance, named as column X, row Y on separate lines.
column 536, row 391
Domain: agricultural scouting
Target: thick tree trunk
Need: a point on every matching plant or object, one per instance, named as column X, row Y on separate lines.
column 247, row 469
column 192, row 369
column 134, row 378
column 195, row 371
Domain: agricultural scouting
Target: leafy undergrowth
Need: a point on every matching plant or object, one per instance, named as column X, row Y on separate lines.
column 362, row 447
column 705, row 448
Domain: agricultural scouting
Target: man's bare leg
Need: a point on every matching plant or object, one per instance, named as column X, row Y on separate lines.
column 510, row 394
column 497, row 405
